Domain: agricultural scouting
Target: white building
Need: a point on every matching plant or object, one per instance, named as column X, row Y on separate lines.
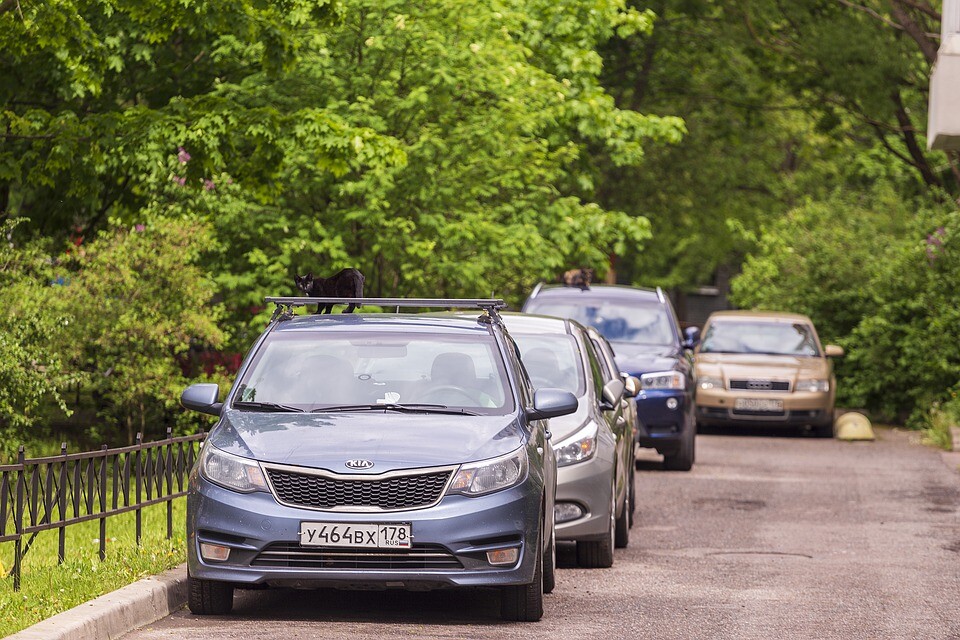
column 943, row 127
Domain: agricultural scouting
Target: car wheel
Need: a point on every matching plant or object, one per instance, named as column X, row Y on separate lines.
column 524, row 603
column 209, row 597
column 825, row 429
column 598, row 554
column 682, row 460
column 621, row 528
column 633, row 497
column 550, row 564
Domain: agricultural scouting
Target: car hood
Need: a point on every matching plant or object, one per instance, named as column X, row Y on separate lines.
column 637, row 359
column 743, row 366
column 389, row 440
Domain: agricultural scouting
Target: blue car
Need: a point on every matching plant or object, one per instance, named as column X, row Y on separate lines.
column 643, row 329
column 377, row 451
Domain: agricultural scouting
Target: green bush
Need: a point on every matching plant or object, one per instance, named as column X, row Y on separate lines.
column 876, row 275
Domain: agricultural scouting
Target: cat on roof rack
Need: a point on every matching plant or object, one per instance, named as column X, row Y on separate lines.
column 581, row 277
column 347, row 283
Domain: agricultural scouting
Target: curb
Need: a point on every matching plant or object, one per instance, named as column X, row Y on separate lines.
column 116, row 613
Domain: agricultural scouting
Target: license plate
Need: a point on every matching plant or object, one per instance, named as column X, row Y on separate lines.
column 758, row 404
column 339, row 534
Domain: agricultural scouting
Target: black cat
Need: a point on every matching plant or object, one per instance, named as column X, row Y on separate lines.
column 345, row 284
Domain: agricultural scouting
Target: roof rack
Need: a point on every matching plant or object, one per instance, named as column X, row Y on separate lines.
column 490, row 306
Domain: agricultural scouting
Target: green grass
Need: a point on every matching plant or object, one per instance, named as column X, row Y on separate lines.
column 47, row 589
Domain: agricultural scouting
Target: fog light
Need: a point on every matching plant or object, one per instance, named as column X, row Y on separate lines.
column 672, row 403
column 215, row 552
column 503, row 556
column 566, row 511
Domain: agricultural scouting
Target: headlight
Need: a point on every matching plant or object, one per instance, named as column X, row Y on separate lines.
column 486, row 476
column 813, row 385
column 230, row 471
column 663, row 380
column 708, row 382
column 578, row 447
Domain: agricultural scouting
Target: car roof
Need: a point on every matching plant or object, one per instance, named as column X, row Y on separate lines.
column 533, row 323
column 444, row 323
column 763, row 316
column 617, row 291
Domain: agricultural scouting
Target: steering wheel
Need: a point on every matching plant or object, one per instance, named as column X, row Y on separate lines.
column 438, row 394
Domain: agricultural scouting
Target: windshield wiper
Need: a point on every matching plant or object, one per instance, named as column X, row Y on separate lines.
column 402, row 408
column 265, row 406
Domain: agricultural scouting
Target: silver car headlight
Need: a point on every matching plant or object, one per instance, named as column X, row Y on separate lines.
column 709, row 382
column 230, row 471
column 487, row 476
column 578, row 447
column 813, row 385
column 663, row 380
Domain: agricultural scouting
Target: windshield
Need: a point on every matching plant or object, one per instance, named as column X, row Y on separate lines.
column 617, row 320
column 775, row 338
column 314, row 370
column 552, row 361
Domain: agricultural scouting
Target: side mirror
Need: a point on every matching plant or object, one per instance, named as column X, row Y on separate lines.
column 612, row 392
column 551, row 403
column 833, row 351
column 632, row 384
column 202, row 397
column 691, row 337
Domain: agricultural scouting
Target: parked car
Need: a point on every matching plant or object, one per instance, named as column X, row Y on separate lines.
column 765, row 368
column 377, row 451
column 643, row 329
column 595, row 445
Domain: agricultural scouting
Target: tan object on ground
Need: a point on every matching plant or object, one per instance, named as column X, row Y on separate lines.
column 853, row 426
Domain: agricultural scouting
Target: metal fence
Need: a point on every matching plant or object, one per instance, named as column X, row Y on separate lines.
column 41, row 494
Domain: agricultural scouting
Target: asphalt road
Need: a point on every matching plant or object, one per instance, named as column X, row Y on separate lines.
column 770, row 536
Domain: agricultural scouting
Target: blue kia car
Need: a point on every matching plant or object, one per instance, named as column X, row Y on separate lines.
column 643, row 329
column 377, row 451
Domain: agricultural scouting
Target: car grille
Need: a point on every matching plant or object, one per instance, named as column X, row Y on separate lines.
column 386, row 494
column 760, row 385
column 292, row 555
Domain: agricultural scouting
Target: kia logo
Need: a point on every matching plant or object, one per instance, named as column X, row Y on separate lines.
column 358, row 464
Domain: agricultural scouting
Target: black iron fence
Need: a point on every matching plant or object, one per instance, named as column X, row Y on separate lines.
column 41, row 494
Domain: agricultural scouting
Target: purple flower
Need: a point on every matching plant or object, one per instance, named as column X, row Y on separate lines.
column 182, row 155
column 208, row 185
column 139, row 228
column 180, row 181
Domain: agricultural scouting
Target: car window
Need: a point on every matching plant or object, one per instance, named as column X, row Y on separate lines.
column 596, row 371
column 607, row 361
column 552, row 360
column 751, row 336
column 312, row 369
column 618, row 320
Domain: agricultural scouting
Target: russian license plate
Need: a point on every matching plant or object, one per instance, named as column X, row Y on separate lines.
column 340, row 534
column 758, row 404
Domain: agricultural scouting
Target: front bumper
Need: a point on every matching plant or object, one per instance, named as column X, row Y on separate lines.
column 718, row 406
column 662, row 427
column 460, row 528
column 587, row 485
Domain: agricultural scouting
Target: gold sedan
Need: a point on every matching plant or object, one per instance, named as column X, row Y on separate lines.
column 764, row 368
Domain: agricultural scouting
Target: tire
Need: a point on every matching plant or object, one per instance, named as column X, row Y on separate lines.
column 621, row 537
column 825, row 429
column 524, row 603
column 633, row 497
column 598, row 554
column 550, row 564
column 209, row 597
column 682, row 460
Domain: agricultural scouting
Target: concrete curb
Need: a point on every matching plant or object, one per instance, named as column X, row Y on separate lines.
column 116, row 613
